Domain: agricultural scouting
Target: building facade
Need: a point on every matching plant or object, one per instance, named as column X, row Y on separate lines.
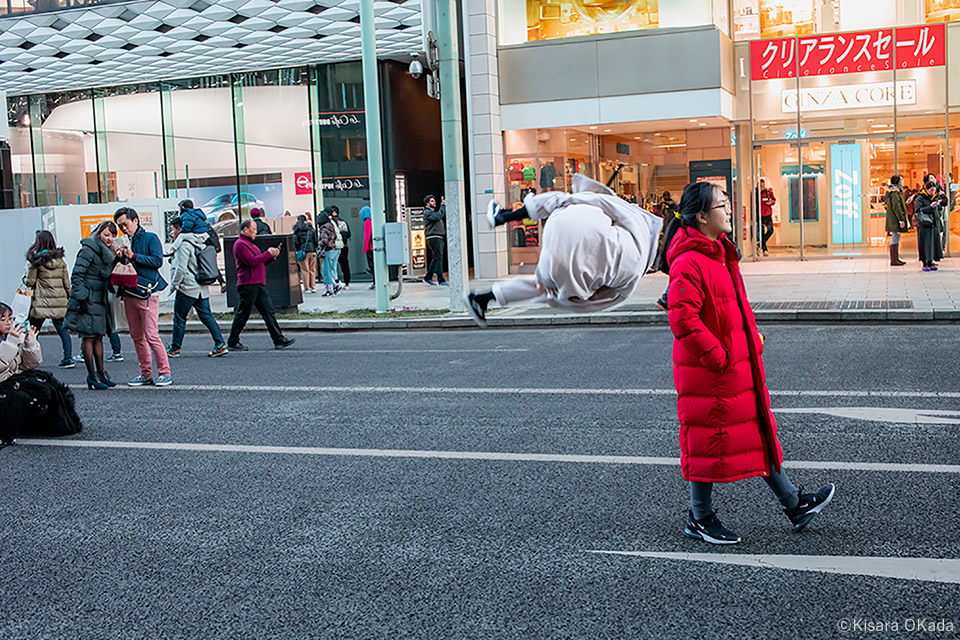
column 235, row 104
column 822, row 100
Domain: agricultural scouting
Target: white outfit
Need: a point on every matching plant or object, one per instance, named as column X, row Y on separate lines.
column 595, row 248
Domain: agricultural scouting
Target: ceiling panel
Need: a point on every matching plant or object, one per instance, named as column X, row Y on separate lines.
column 166, row 39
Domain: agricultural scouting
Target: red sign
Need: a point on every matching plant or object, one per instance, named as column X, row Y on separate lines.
column 304, row 183
column 856, row 52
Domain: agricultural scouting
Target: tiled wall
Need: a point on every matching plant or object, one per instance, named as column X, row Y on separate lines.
column 486, row 143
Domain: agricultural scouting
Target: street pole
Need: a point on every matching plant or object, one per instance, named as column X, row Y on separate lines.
column 371, row 107
column 452, row 130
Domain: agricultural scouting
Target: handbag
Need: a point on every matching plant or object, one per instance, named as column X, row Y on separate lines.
column 140, row 292
column 124, row 275
column 924, row 218
column 301, row 255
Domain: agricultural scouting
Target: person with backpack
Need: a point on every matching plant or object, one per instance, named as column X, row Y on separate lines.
column 727, row 429
column 50, row 282
column 305, row 243
column 191, row 293
column 344, row 258
column 330, row 246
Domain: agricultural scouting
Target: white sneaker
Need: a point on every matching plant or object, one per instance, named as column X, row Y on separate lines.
column 492, row 208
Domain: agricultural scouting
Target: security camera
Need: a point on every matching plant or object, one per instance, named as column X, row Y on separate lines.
column 416, row 68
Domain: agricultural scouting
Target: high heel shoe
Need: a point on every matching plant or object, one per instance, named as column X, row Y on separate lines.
column 95, row 385
column 105, row 379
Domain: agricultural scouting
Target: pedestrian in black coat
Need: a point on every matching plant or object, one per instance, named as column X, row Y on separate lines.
column 89, row 313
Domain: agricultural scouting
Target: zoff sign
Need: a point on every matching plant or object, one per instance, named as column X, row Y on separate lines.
column 849, row 96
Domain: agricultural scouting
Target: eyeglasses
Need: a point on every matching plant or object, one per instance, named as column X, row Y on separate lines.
column 724, row 205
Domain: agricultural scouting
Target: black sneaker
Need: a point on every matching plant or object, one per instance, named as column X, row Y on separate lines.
column 477, row 309
column 237, row 347
column 662, row 303
column 283, row 343
column 429, row 282
column 492, row 210
column 809, row 506
column 67, row 363
column 709, row 529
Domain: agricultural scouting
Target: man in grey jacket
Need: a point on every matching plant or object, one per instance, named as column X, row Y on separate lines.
column 190, row 293
column 435, row 230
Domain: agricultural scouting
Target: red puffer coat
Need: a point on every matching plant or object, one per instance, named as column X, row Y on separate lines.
column 727, row 431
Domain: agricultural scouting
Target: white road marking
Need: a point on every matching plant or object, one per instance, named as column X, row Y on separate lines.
column 923, row 569
column 469, row 455
column 826, row 393
column 296, row 351
column 883, row 414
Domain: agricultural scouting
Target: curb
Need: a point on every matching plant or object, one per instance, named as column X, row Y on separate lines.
column 611, row 318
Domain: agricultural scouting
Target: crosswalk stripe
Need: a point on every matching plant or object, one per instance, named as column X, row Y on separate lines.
column 922, row 569
column 471, row 455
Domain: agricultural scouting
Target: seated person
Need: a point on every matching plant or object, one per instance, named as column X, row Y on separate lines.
column 19, row 349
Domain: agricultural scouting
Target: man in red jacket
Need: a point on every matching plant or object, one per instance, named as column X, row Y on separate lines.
column 252, row 287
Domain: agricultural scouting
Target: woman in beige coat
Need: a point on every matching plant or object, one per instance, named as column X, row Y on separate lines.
column 50, row 281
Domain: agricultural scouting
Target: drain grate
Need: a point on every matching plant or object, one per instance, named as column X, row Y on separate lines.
column 813, row 305
column 832, row 305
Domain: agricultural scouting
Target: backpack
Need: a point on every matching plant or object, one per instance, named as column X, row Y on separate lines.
column 34, row 403
column 207, row 270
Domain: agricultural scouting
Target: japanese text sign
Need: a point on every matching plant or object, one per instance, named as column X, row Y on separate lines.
column 857, row 52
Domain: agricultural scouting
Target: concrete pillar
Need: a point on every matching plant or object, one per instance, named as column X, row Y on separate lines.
column 486, row 136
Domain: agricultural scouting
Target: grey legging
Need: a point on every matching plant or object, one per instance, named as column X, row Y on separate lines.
column 701, row 493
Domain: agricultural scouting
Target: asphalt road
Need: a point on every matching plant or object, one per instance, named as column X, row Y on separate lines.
column 228, row 542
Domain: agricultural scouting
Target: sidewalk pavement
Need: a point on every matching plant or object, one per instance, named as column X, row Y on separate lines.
column 819, row 290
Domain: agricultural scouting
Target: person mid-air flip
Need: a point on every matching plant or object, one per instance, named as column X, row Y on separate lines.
column 595, row 248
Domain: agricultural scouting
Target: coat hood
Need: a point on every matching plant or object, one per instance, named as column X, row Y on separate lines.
column 688, row 239
column 302, row 226
column 97, row 245
column 365, row 213
column 195, row 239
column 45, row 257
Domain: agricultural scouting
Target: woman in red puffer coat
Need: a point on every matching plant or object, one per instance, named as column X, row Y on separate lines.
column 727, row 430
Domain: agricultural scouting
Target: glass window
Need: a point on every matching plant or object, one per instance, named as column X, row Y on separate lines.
column 18, row 118
column 65, row 150
column 129, row 127
column 202, row 157
column 532, row 20
column 647, row 168
column 276, row 140
column 754, row 19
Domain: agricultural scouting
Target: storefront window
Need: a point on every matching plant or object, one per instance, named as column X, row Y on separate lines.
column 532, row 20
column 826, row 152
column 754, row 19
column 64, row 149
column 648, row 168
column 130, row 140
column 276, row 155
column 16, row 7
column 202, row 161
column 18, row 119
column 343, row 149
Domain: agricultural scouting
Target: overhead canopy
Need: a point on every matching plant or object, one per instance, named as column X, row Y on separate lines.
column 129, row 42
